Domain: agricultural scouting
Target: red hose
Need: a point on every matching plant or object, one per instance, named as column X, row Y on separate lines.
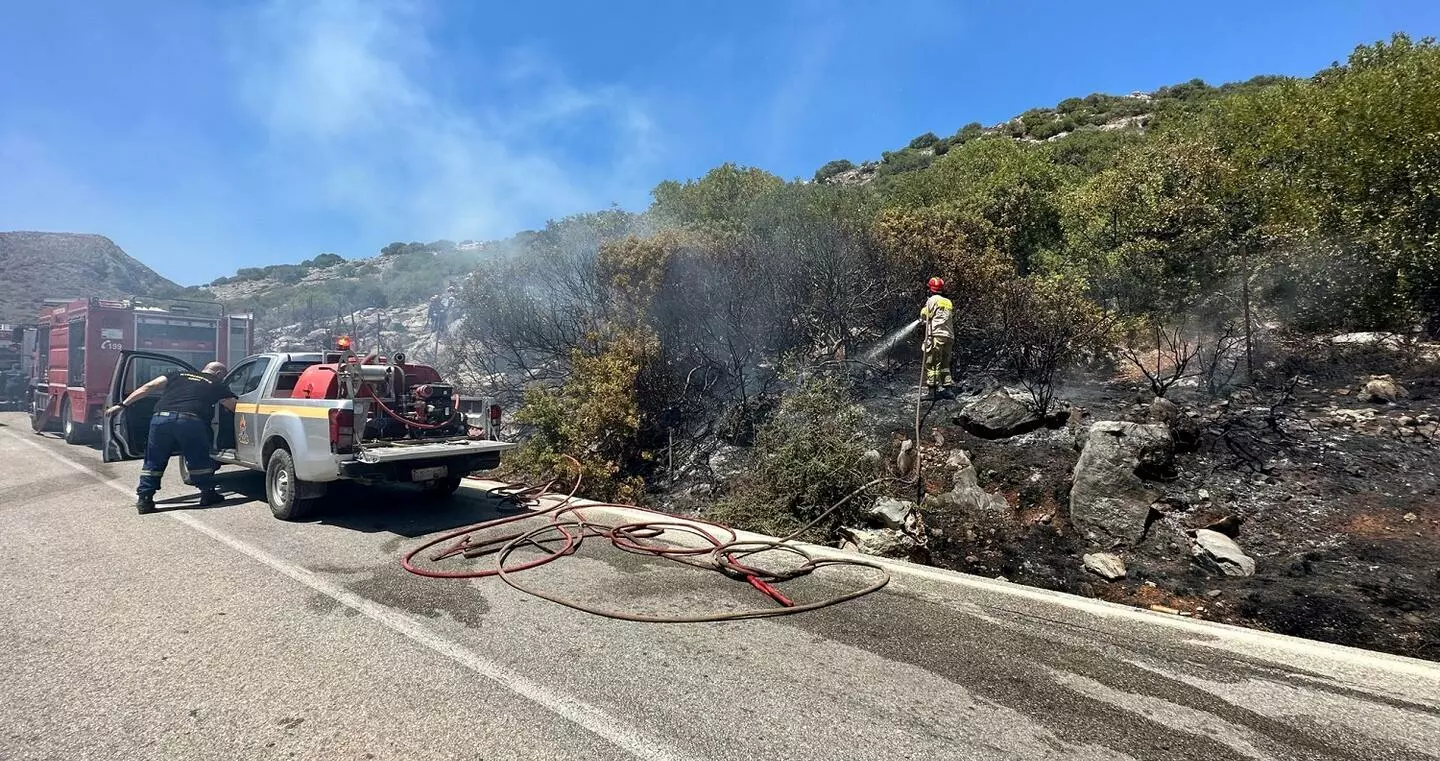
column 407, row 421
column 568, row 528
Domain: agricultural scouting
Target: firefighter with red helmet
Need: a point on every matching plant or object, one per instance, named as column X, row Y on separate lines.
column 938, row 317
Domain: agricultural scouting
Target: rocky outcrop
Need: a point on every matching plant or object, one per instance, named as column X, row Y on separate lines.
column 1106, row 565
column 1111, row 499
column 998, row 415
column 1219, row 553
column 1366, row 421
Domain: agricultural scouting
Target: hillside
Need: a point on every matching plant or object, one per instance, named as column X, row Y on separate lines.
column 41, row 265
column 1094, row 113
column 379, row 301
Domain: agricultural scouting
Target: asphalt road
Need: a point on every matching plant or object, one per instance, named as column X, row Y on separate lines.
column 224, row 633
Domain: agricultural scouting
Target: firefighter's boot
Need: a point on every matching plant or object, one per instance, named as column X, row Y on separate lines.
column 210, row 497
column 145, row 504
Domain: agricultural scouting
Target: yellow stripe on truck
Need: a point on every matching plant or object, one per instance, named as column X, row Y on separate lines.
column 293, row 409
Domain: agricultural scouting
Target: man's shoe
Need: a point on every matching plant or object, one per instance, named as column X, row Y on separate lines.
column 208, row 498
column 145, row 505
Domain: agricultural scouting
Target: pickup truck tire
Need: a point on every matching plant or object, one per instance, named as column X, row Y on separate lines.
column 282, row 488
column 441, row 488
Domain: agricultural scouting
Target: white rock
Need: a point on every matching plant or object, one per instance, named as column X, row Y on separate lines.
column 1216, row 551
column 891, row 512
column 885, row 542
column 1106, row 565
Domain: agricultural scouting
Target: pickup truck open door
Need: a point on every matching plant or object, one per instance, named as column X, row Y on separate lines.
column 124, row 434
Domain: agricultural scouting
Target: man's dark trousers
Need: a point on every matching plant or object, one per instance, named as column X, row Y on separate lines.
column 193, row 435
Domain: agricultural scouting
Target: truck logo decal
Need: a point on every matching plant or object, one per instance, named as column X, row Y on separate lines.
column 242, row 432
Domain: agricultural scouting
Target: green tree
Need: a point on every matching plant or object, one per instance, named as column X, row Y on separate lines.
column 1007, row 192
column 833, row 168
column 720, row 200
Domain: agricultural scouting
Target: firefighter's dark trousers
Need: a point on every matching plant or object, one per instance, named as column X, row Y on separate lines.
column 937, row 361
column 193, row 435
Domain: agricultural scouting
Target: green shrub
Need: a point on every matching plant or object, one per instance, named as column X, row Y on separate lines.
column 594, row 417
column 833, row 168
column 806, row 458
column 924, row 141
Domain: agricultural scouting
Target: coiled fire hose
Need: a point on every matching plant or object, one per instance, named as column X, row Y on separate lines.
column 566, row 527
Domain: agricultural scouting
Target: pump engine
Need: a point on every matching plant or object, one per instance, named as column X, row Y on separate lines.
column 406, row 401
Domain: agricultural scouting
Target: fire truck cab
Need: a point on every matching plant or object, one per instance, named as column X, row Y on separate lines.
column 78, row 344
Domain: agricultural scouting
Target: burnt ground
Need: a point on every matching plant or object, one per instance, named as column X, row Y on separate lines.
column 1333, row 496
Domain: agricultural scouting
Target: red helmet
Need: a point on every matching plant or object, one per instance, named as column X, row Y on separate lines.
column 936, row 285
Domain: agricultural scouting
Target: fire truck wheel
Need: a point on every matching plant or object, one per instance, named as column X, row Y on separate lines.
column 74, row 433
column 39, row 420
column 282, row 488
column 441, row 488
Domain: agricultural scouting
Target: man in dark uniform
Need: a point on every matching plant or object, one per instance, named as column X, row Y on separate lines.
column 181, row 416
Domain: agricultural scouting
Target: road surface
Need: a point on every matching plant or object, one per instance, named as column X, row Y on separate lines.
column 224, row 633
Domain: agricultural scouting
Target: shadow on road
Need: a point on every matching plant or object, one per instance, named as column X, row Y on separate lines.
column 397, row 509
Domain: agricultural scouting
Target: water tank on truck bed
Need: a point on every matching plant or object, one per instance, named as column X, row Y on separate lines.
column 403, row 401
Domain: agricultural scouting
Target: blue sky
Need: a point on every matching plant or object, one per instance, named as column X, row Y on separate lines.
column 203, row 137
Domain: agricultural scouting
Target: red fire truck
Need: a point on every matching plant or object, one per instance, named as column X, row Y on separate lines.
column 79, row 342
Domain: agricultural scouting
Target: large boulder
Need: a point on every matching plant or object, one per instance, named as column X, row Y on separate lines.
column 1220, row 553
column 1110, row 498
column 966, row 496
column 998, row 415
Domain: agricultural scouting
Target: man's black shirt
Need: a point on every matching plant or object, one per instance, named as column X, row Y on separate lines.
column 193, row 393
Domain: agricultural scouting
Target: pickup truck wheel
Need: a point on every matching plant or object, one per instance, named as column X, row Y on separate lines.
column 282, row 488
column 441, row 488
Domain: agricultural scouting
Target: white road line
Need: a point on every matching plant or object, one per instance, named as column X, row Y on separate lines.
column 634, row 742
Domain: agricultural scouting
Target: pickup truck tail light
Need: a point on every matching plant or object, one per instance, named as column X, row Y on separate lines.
column 342, row 431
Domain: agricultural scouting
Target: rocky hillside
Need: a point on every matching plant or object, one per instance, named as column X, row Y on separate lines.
column 1095, row 113
column 41, row 265
column 383, row 301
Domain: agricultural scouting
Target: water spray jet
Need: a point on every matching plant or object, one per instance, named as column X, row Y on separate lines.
column 891, row 341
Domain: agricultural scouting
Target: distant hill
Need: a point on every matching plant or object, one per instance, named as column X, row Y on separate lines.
column 35, row 266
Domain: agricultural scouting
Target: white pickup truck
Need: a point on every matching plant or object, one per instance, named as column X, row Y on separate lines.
column 308, row 419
